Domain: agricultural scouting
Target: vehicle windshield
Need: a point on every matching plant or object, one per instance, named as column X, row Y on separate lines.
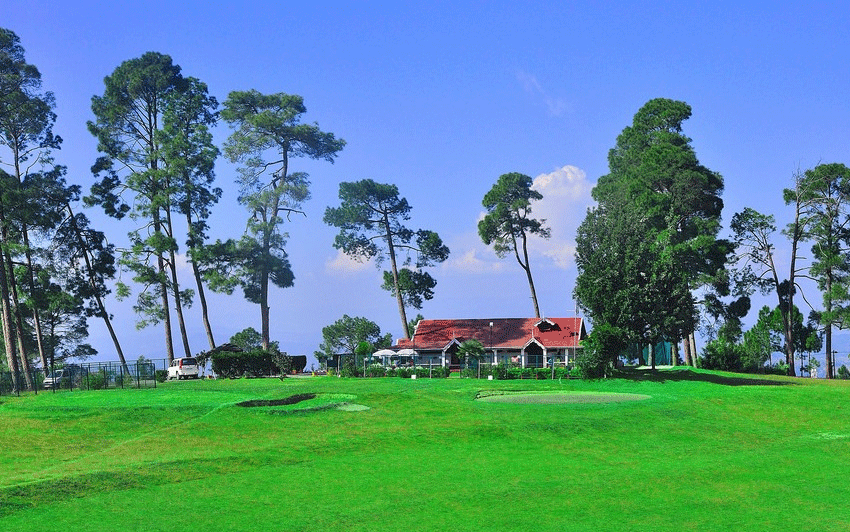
column 190, row 362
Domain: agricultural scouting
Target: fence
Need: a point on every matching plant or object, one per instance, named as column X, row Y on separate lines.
column 84, row 376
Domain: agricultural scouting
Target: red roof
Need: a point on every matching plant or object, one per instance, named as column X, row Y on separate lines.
column 506, row 333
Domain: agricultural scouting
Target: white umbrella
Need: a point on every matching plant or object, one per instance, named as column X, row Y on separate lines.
column 383, row 354
column 405, row 352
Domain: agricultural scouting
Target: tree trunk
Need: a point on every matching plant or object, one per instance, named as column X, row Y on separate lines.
column 693, row 342
column 201, row 294
column 8, row 335
column 828, row 332
column 394, row 267
column 674, row 353
column 163, row 288
column 265, row 331
column 533, row 292
column 166, row 312
column 527, row 267
column 92, row 279
column 686, row 348
column 203, row 299
column 18, row 322
column 178, row 305
column 36, row 315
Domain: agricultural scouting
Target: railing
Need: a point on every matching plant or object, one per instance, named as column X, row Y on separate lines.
column 84, row 376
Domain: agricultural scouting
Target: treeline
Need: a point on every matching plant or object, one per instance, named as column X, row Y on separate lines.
column 653, row 266
column 156, row 166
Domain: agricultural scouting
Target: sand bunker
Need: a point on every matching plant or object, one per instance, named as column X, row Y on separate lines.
column 557, row 398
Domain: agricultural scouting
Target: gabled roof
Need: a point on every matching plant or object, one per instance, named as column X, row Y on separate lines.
column 506, row 333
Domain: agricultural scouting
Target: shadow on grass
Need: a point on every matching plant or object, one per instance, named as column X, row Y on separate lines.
column 25, row 496
column 687, row 374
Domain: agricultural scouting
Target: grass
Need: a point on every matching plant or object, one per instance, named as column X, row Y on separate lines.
column 706, row 451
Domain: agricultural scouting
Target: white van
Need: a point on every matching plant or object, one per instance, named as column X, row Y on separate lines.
column 183, row 368
column 69, row 376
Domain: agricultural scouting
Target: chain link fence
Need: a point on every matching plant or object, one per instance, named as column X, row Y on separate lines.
column 85, row 376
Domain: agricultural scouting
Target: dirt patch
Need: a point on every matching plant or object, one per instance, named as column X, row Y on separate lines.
column 291, row 400
column 557, row 398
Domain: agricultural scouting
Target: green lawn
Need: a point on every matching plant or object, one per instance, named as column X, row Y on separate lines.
column 706, row 451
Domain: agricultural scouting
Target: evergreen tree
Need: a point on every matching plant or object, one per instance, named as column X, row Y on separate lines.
column 370, row 221
column 652, row 238
column 508, row 225
column 267, row 133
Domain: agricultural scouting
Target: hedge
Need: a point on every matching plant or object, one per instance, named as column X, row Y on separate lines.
column 256, row 363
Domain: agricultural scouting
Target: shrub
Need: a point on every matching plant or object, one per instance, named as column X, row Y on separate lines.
column 843, row 372
column 484, row 370
column 299, row 362
column 95, row 381
column 601, row 350
column 721, row 354
column 284, row 362
column 500, row 371
column 161, row 375
column 253, row 363
column 376, row 370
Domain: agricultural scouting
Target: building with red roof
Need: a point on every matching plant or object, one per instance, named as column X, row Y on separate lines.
column 531, row 342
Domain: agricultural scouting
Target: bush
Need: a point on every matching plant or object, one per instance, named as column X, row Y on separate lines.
column 283, row 362
column 500, row 371
column 95, row 381
column 601, row 350
column 723, row 355
column 299, row 362
column 843, row 372
column 376, row 370
column 161, row 375
column 255, row 363
column 349, row 368
column 780, row 368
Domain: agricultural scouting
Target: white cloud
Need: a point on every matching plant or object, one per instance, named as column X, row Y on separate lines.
column 471, row 261
column 342, row 264
column 566, row 198
column 556, row 106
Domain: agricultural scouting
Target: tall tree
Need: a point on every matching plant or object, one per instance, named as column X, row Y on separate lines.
column 371, row 220
column 26, row 166
column 267, row 133
column 190, row 157
column 129, row 119
column 652, row 239
column 754, row 233
column 88, row 261
column 754, row 240
column 508, row 224
column 827, row 191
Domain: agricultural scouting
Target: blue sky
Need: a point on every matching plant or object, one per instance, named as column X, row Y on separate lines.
column 441, row 98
